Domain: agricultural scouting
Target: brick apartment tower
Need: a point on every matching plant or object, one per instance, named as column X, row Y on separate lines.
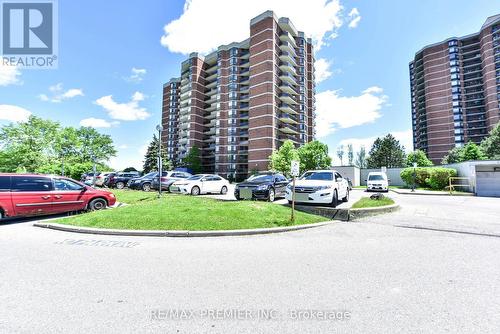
column 455, row 90
column 241, row 102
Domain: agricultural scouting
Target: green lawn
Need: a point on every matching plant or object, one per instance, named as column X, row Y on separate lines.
column 366, row 202
column 181, row 212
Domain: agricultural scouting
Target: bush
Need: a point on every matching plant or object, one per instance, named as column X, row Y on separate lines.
column 428, row 177
column 439, row 178
column 422, row 174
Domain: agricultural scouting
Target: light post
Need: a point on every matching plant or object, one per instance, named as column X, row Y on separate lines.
column 159, row 128
column 414, row 176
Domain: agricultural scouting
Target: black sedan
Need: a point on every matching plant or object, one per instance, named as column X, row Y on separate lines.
column 265, row 186
column 142, row 183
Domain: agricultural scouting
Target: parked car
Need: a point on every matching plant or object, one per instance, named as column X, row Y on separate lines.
column 167, row 178
column 319, row 187
column 201, row 184
column 88, row 178
column 35, row 194
column 120, row 180
column 99, row 180
column 266, row 186
column 377, row 181
column 143, row 182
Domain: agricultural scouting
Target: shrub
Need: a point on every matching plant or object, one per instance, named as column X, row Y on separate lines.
column 421, row 176
column 439, row 178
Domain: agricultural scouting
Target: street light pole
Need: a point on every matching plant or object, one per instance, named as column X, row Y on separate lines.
column 160, row 172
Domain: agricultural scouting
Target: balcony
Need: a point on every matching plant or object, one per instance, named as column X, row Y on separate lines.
column 212, row 99
column 210, row 131
column 288, row 57
column 211, row 92
column 244, row 88
column 287, row 98
column 287, row 67
column 245, row 55
column 243, row 105
column 288, row 47
column 185, row 88
column 211, row 77
column 287, row 118
column 244, row 97
column 287, row 37
column 245, row 64
column 287, row 108
column 288, row 78
column 211, row 85
column 287, row 88
column 243, row 124
column 212, row 107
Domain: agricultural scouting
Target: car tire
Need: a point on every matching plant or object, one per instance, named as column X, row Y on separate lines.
column 289, row 202
column 97, row 204
column 272, row 195
column 120, row 185
column 346, row 198
column 223, row 191
column 1, row 215
column 146, row 187
column 195, row 191
column 334, row 199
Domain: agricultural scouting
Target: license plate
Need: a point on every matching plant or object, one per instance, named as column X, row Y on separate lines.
column 174, row 188
column 301, row 197
column 246, row 193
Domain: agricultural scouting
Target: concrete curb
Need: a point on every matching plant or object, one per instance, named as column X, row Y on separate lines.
column 436, row 193
column 366, row 212
column 180, row 233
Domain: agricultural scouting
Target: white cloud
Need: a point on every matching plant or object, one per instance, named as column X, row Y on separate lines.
column 322, row 69
column 336, row 111
column 130, row 111
column 59, row 94
column 97, row 123
column 136, row 75
column 13, row 113
column 354, row 18
column 319, row 19
column 123, row 147
column 9, row 75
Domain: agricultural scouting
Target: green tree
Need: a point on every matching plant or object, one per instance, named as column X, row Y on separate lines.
column 314, row 155
column 454, row 155
column 471, row 151
column 281, row 160
column 419, row 157
column 193, row 160
column 350, row 155
column 491, row 144
column 386, row 152
column 151, row 157
column 361, row 158
column 94, row 145
column 130, row 169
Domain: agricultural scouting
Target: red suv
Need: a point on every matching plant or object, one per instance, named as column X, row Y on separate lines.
column 31, row 195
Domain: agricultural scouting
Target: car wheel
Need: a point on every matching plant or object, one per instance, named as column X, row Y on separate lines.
column 334, row 199
column 272, row 195
column 346, row 198
column 120, row 185
column 97, row 204
column 195, row 191
column 223, row 191
column 1, row 215
column 146, row 187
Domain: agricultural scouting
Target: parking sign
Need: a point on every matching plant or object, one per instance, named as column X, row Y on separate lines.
column 295, row 170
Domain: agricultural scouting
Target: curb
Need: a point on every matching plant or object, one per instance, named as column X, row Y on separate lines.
column 179, row 233
column 437, row 193
column 366, row 212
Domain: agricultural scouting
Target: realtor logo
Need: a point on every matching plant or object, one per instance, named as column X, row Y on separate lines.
column 29, row 33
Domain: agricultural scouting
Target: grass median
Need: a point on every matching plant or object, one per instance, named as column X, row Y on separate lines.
column 367, row 202
column 180, row 212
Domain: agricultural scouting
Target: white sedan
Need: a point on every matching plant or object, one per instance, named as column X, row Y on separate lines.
column 201, row 184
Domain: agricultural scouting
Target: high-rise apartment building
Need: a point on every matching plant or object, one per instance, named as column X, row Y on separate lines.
column 241, row 102
column 455, row 90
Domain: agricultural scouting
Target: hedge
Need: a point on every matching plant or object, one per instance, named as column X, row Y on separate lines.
column 429, row 177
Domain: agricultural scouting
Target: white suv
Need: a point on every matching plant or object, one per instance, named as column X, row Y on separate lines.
column 319, row 187
column 377, row 181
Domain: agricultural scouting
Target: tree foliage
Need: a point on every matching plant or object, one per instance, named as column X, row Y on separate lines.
column 491, row 144
column 42, row 146
column 361, row 158
column 193, row 160
column 386, row 152
column 281, row 160
column 419, row 157
column 151, row 157
column 314, row 155
column 350, row 155
column 340, row 154
column 470, row 151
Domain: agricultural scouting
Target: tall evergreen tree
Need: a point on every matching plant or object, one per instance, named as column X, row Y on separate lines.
column 151, row 158
column 361, row 158
column 350, row 155
column 340, row 154
column 386, row 152
column 193, row 160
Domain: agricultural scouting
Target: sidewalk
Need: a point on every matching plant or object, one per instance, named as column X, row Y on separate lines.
column 428, row 192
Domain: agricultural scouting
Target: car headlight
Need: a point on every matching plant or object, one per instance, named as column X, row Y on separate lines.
column 323, row 188
column 262, row 187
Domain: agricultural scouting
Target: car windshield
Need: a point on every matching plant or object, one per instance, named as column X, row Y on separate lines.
column 150, row 175
column 376, row 178
column 320, row 176
column 195, row 177
column 261, row 178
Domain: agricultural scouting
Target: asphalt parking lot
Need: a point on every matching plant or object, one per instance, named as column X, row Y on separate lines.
column 379, row 277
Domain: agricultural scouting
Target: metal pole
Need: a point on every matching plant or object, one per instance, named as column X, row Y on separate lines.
column 159, row 128
column 293, row 199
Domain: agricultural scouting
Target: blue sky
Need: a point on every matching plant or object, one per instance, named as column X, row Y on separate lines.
column 365, row 46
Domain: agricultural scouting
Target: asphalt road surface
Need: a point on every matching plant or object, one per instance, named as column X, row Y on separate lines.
column 365, row 277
